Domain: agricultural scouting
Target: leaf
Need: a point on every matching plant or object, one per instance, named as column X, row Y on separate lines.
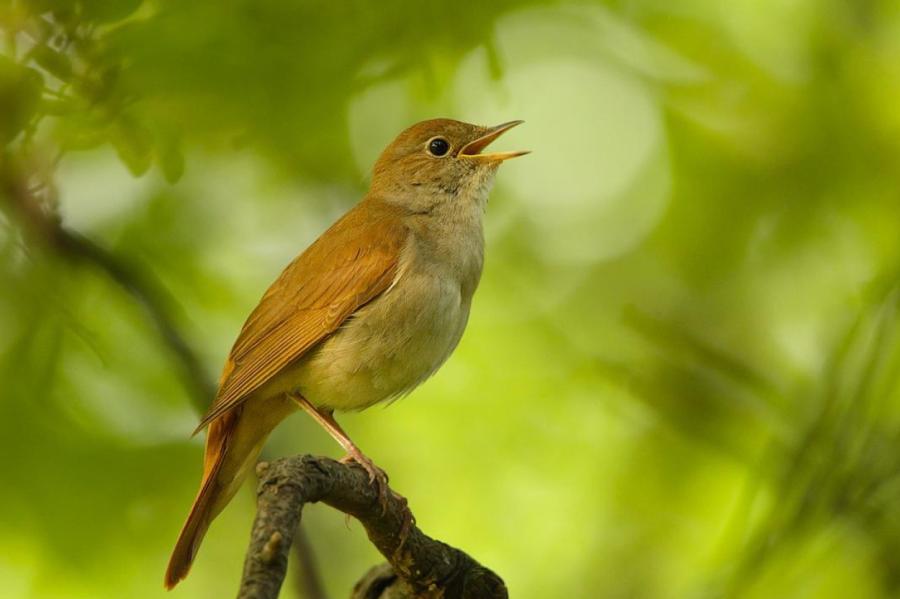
column 57, row 107
column 171, row 158
column 20, row 97
column 132, row 141
column 109, row 10
column 79, row 129
column 56, row 63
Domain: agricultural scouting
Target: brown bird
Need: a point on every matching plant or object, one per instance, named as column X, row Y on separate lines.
column 370, row 310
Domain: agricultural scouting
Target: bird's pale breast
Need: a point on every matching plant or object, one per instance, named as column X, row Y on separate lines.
column 394, row 343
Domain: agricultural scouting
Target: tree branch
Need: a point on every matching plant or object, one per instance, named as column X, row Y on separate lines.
column 46, row 227
column 420, row 567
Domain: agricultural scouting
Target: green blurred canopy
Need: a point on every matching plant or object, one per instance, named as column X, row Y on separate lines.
column 681, row 376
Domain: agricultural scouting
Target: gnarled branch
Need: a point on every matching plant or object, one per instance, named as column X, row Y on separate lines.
column 420, row 567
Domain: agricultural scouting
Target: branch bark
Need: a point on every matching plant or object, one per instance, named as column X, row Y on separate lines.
column 419, row 567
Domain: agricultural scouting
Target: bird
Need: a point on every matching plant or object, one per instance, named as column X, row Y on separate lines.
column 365, row 314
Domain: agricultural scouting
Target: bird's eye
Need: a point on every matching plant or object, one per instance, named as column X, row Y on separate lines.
column 438, row 146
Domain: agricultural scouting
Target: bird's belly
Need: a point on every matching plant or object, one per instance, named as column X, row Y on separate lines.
column 388, row 347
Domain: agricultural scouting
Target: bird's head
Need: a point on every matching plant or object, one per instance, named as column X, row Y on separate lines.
column 440, row 159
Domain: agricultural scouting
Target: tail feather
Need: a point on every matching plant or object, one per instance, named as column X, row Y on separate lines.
column 233, row 443
column 210, row 500
column 191, row 535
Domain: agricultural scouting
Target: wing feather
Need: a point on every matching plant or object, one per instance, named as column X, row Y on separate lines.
column 347, row 267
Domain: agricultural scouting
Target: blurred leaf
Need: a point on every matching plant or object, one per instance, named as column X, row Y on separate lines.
column 171, row 158
column 109, row 10
column 54, row 61
column 57, row 107
column 80, row 130
column 20, row 94
column 133, row 143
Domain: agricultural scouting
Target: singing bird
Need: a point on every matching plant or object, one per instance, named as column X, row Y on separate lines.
column 370, row 310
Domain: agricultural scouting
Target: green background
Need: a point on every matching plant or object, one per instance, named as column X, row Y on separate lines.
column 681, row 377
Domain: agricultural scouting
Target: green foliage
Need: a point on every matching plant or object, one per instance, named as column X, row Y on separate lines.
column 20, row 94
column 682, row 372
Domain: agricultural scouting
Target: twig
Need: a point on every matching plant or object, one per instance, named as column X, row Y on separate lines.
column 421, row 567
column 140, row 284
column 306, row 580
column 47, row 228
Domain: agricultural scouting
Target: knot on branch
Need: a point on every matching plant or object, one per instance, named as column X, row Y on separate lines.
column 418, row 566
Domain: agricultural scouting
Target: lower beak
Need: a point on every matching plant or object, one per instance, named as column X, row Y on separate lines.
column 473, row 148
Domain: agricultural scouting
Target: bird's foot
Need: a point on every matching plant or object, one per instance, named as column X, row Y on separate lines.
column 377, row 477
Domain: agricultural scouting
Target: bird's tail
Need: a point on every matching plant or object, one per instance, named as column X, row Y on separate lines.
column 230, row 452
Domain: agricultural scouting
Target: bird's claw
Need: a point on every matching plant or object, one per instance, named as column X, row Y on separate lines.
column 377, row 477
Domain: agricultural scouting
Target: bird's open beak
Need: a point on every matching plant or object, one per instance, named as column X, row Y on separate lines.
column 473, row 148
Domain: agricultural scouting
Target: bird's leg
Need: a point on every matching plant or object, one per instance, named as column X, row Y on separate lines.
column 326, row 420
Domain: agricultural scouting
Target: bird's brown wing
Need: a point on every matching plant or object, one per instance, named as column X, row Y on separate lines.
column 347, row 267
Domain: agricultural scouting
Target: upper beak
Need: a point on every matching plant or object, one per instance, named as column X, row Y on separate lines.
column 473, row 148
